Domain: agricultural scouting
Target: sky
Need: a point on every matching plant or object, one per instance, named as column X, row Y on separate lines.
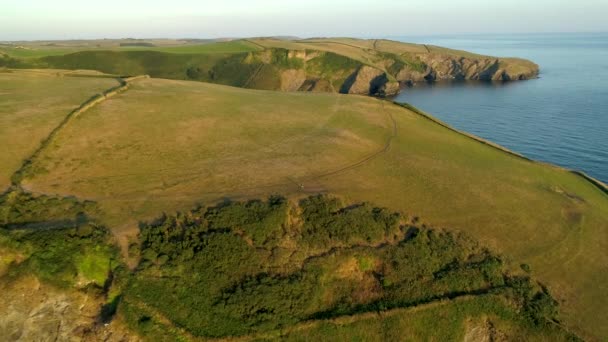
column 78, row 19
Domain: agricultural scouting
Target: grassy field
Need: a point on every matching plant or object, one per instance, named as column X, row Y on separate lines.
column 57, row 48
column 237, row 46
column 22, row 52
column 32, row 104
column 166, row 145
column 258, row 145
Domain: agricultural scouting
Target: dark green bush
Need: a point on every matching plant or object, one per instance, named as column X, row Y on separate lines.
column 208, row 270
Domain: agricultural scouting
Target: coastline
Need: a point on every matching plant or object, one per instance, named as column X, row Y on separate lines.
column 603, row 187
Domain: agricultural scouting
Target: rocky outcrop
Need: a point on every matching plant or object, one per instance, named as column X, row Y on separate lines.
column 292, row 79
column 317, row 85
column 376, row 80
column 369, row 81
column 439, row 67
column 33, row 311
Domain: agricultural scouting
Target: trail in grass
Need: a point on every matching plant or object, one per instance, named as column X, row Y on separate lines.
column 301, row 184
column 384, row 149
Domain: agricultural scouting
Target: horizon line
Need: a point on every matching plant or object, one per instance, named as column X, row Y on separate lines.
column 309, row 37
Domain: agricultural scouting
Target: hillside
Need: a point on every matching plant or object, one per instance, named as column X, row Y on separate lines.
column 257, row 270
column 165, row 146
column 354, row 66
column 32, row 104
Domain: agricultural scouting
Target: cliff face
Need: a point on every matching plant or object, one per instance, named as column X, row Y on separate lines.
column 316, row 71
column 349, row 66
column 326, row 72
column 369, row 81
column 445, row 67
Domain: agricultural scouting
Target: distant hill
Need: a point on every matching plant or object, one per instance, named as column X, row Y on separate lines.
column 339, row 65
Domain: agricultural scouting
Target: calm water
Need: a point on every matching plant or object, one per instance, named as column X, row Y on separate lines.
column 561, row 118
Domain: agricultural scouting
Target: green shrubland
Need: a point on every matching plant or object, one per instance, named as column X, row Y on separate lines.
column 257, row 267
column 212, row 272
column 55, row 240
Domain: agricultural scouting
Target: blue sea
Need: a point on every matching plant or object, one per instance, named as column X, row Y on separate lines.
column 561, row 117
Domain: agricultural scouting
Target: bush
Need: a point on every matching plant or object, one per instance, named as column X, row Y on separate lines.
column 209, row 270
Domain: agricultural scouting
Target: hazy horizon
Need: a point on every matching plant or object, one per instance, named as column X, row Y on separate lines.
column 70, row 19
column 396, row 37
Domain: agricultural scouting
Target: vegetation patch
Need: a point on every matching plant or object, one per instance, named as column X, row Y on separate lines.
column 53, row 239
column 215, row 272
column 256, row 267
column 19, row 209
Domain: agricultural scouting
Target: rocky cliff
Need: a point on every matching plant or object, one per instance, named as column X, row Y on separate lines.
column 445, row 67
column 349, row 66
column 375, row 72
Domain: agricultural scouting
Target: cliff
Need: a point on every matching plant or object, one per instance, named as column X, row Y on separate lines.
column 349, row 66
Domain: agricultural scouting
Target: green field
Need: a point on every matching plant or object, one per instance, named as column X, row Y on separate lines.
column 32, row 104
column 260, row 144
column 43, row 49
column 164, row 146
column 237, row 46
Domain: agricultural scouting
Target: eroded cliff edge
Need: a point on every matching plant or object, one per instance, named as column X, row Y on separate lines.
column 344, row 65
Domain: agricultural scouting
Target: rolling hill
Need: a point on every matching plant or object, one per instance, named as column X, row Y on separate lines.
column 344, row 65
column 164, row 146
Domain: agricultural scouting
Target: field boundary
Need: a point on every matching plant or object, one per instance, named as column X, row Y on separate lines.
column 124, row 84
column 346, row 319
column 595, row 182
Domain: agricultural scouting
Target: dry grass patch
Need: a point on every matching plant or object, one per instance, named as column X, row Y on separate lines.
column 32, row 104
column 173, row 142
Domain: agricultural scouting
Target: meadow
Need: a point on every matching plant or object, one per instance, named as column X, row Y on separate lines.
column 44, row 49
column 32, row 104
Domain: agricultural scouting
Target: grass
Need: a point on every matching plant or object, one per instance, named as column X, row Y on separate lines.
column 54, row 239
column 31, row 50
column 258, row 143
column 27, row 52
column 166, row 145
column 64, row 257
column 32, row 104
column 95, row 264
column 237, row 46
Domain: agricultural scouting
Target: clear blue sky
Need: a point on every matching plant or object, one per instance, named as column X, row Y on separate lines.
column 69, row 19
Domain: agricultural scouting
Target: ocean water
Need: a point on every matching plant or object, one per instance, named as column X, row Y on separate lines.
column 561, row 117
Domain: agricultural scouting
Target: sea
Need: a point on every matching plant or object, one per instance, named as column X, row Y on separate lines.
column 560, row 118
